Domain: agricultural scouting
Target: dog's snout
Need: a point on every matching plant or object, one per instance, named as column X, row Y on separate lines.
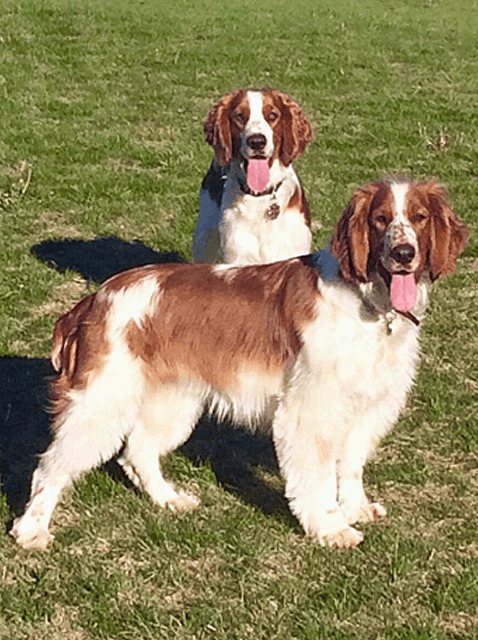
column 256, row 142
column 403, row 253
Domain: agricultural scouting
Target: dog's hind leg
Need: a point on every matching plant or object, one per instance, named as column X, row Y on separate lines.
column 89, row 430
column 72, row 452
column 168, row 415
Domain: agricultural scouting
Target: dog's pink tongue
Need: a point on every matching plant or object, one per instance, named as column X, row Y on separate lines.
column 258, row 174
column 403, row 292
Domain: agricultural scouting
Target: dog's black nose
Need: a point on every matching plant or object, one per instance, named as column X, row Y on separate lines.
column 256, row 142
column 403, row 253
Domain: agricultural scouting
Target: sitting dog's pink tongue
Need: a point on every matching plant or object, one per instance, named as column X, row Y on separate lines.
column 258, row 174
column 403, row 292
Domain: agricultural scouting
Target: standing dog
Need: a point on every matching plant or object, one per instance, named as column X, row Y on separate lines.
column 326, row 344
column 252, row 208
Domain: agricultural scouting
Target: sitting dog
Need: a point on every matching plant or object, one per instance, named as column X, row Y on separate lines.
column 325, row 345
column 252, row 208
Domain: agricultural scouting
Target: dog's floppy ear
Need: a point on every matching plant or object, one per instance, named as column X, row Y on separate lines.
column 218, row 128
column 448, row 233
column 350, row 243
column 296, row 133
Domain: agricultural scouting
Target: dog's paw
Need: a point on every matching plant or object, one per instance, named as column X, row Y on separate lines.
column 129, row 471
column 364, row 512
column 183, row 502
column 343, row 539
column 30, row 537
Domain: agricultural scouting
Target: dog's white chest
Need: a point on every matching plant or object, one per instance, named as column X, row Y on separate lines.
column 261, row 229
column 365, row 362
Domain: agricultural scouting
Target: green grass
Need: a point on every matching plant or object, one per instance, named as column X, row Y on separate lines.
column 102, row 105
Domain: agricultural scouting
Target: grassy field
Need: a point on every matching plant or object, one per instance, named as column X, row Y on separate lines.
column 102, row 152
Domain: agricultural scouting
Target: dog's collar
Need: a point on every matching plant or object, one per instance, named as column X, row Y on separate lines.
column 390, row 317
column 244, row 187
column 409, row 316
column 273, row 210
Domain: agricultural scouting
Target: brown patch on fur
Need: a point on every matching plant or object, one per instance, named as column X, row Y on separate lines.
column 295, row 131
column 299, row 202
column 208, row 324
column 219, row 127
column 79, row 347
column 448, row 234
column 63, row 335
column 351, row 241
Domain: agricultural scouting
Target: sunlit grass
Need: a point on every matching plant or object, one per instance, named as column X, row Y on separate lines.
column 102, row 106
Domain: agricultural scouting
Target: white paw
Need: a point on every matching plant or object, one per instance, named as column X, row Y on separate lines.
column 343, row 539
column 30, row 537
column 129, row 471
column 183, row 502
column 364, row 512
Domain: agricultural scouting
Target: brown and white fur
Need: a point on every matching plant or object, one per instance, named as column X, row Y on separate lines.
column 313, row 342
column 237, row 224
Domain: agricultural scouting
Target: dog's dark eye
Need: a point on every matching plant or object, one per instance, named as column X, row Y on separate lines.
column 272, row 116
column 240, row 117
column 381, row 220
column 419, row 217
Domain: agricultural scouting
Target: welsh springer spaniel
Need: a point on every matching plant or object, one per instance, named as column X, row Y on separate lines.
column 325, row 345
column 252, row 208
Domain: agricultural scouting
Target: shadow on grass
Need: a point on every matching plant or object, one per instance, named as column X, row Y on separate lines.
column 99, row 259
column 24, row 424
column 239, row 458
column 236, row 456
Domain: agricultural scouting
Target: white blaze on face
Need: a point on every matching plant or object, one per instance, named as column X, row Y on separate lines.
column 403, row 288
column 258, row 173
column 400, row 230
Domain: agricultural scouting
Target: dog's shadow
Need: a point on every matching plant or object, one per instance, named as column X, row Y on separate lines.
column 24, row 424
column 237, row 457
column 99, row 259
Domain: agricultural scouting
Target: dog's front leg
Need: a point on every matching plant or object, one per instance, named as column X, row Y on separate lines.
column 304, row 437
column 355, row 450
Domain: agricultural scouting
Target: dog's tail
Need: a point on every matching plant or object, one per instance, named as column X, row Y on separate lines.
column 65, row 336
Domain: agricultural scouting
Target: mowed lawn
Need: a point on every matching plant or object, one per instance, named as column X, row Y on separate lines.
column 102, row 152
